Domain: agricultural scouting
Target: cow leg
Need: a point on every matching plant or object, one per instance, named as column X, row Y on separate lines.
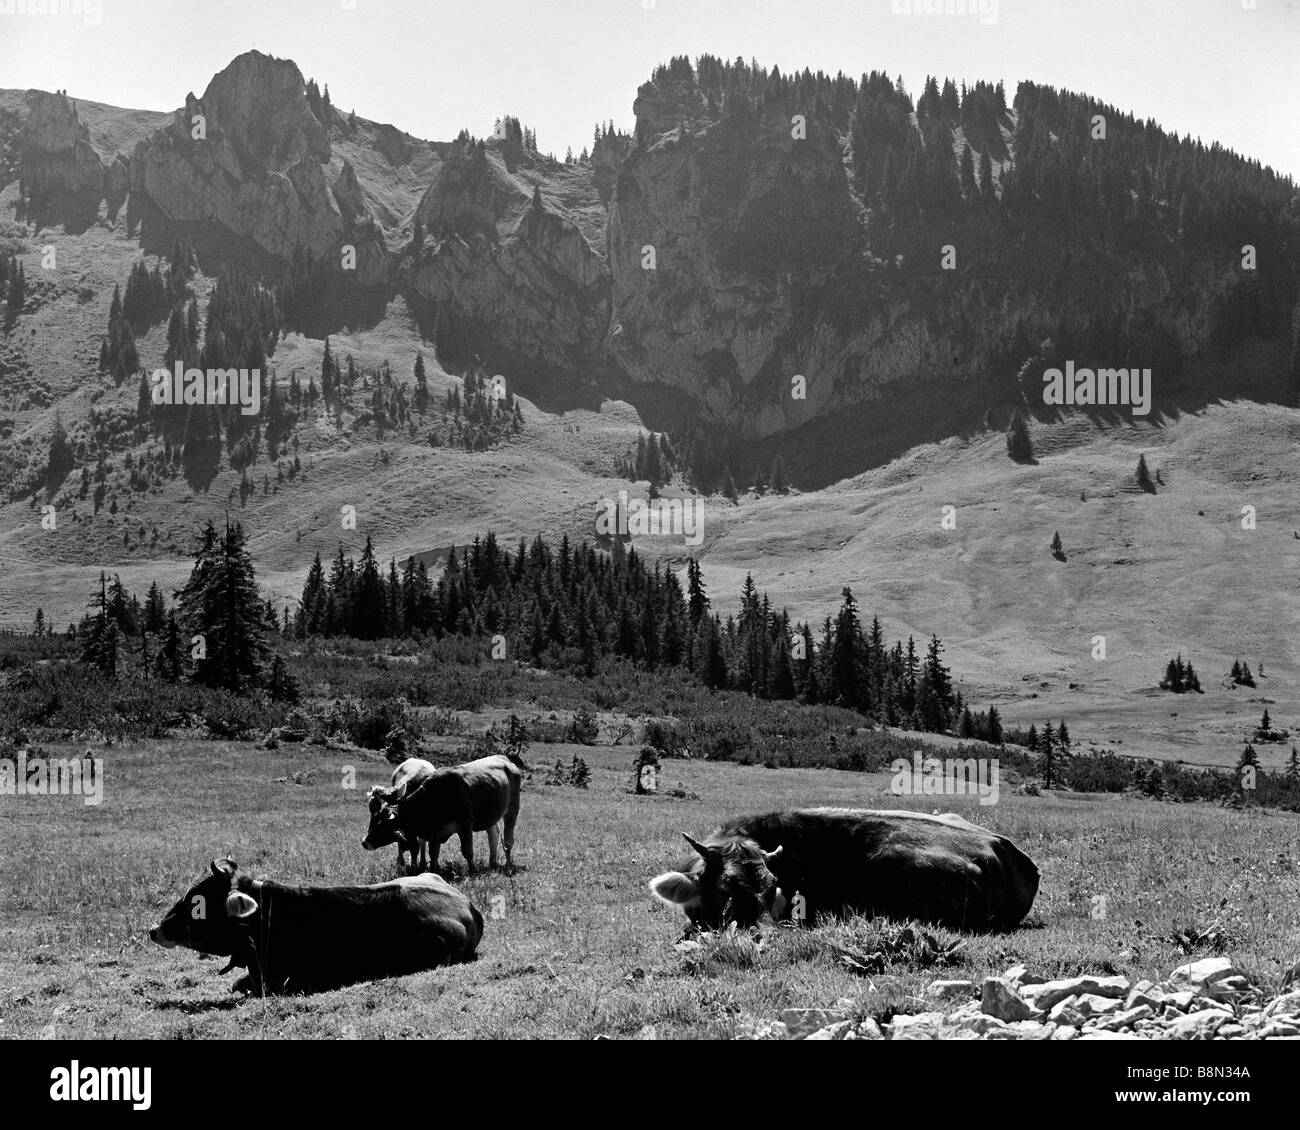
column 424, row 855
column 512, row 814
column 494, row 836
column 467, row 846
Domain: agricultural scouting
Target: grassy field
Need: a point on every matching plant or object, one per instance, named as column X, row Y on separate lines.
column 583, row 949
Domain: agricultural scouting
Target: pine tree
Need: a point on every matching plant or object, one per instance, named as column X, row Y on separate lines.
column 1057, row 551
column 99, row 634
column 220, row 603
column 281, row 685
column 1019, row 446
column 1144, row 476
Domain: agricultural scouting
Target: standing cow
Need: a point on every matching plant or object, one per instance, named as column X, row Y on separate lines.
column 409, row 775
column 462, row 800
column 306, row 939
column 939, row 869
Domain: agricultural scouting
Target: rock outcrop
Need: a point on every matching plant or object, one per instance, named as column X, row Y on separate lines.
column 55, row 151
column 1206, row 1000
column 510, row 274
column 251, row 156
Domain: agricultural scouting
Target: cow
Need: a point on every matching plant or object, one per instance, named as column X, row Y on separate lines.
column 307, row 939
column 939, row 869
column 406, row 776
column 464, row 799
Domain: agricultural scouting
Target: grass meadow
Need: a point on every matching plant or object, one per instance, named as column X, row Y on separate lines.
column 575, row 946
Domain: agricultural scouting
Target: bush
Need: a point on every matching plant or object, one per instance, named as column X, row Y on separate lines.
column 584, row 727
column 369, row 724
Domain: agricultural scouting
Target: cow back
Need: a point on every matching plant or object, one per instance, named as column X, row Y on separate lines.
column 898, row 864
column 478, row 794
column 320, row 937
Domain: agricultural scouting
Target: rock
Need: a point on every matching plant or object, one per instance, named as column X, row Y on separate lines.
column 999, row 999
column 840, row 1030
column 1197, row 1025
column 1151, row 997
column 868, row 1029
column 1065, row 1012
column 950, row 990
column 1215, row 977
column 1105, row 1034
column 1019, row 975
column 803, row 1021
column 1129, row 1017
column 1230, row 1032
column 1181, row 1001
column 647, row 1033
column 1025, row 1030
column 980, row 1024
column 1090, row 1004
column 1278, row 1029
column 1047, row 994
column 919, row 1026
column 1286, row 1005
column 1065, row 1032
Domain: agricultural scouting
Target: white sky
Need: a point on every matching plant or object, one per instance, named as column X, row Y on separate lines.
column 1209, row 68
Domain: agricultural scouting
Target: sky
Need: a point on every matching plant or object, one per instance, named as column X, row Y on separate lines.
column 1221, row 70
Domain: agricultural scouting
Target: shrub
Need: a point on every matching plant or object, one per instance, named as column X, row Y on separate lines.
column 584, row 727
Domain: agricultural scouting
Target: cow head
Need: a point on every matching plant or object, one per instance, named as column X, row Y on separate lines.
column 384, row 828
column 730, row 881
column 212, row 917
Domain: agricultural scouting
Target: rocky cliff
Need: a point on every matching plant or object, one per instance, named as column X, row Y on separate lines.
column 752, row 229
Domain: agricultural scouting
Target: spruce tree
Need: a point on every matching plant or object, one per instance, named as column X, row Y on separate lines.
column 1144, row 476
column 1019, row 446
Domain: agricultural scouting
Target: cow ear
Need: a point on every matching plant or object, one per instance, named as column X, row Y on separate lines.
column 675, row 888
column 224, row 866
column 240, row 905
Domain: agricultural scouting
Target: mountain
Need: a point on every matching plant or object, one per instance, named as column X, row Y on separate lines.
column 752, row 228
column 773, row 255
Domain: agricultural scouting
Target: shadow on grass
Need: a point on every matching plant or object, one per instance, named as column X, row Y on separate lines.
column 195, row 1007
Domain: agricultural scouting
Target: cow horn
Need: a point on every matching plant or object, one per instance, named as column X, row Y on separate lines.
column 395, row 793
column 770, row 857
column 703, row 851
column 225, row 866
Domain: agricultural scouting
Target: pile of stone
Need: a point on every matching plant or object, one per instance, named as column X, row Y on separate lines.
column 1205, row 1000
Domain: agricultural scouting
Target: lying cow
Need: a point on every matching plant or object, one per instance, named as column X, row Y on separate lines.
column 304, row 939
column 462, row 800
column 939, row 869
column 407, row 776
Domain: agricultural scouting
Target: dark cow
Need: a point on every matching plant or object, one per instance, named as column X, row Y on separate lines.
column 939, row 869
column 305, row 939
column 461, row 800
column 407, row 776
